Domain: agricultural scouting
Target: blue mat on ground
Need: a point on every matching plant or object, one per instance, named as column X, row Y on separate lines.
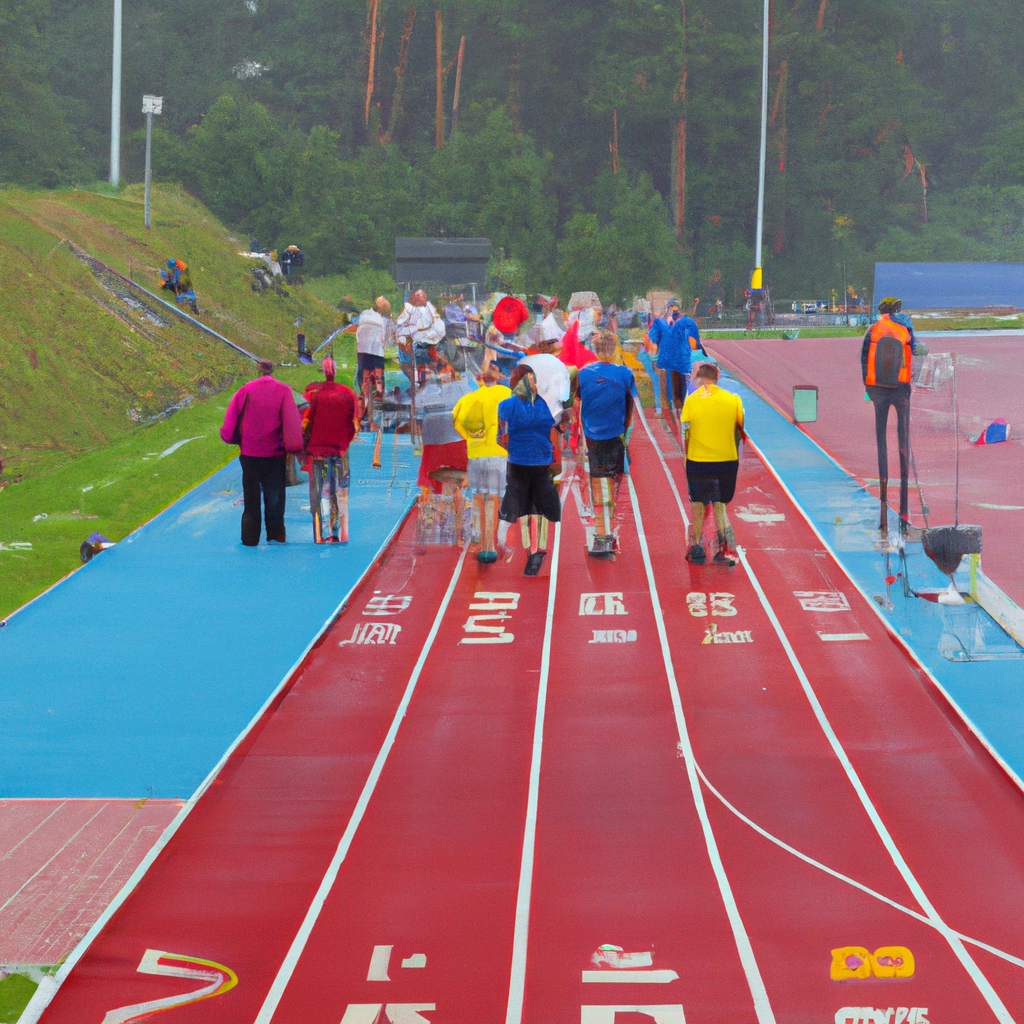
column 134, row 675
column 976, row 662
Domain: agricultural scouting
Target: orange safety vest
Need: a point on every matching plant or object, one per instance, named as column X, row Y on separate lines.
column 888, row 328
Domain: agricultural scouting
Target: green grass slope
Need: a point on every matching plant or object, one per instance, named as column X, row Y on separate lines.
column 93, row 391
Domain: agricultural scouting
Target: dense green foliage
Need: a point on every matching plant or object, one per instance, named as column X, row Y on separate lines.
column 264, row 121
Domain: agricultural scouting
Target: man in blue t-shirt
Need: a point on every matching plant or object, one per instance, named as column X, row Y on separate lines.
column 525, row 428
column 606, row 410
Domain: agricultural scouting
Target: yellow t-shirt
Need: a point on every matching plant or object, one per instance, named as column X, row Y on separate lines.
column 713, row 416
column 475, row 417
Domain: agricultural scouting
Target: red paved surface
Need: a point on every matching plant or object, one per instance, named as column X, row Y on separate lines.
column 62, row 862
column 990, row 376
column 622, row 856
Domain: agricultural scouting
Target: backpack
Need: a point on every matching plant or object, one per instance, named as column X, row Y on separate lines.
column 888, row 361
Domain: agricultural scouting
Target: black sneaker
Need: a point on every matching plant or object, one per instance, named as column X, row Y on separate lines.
column 533, row 563
column 723, row 556
column 697, row 555
column 601, row 547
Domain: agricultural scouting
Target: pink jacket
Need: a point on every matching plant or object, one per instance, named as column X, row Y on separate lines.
column 270, row 421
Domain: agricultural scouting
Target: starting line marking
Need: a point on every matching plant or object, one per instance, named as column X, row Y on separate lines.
column 637, row 977
column 843, row 636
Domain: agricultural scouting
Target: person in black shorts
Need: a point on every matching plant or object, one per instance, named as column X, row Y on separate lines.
column 606, row 409
column 525, row 426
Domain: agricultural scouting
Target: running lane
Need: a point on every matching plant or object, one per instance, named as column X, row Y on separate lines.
column 420, row 918
column 621, row 857
column 815, row 728
column 234, row 882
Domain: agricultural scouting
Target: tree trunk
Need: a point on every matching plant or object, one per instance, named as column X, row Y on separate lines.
column 679, row 142
column 403, row 61
column 615, row 142
column 373, row 58
column 439, row 114
column 458, row 82
column 513, row 90
column 821, row 15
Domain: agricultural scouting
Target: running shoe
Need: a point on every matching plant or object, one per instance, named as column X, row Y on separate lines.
column 487, row 557
column 602, row 546
column 697, row 555
column 533, row 563
column 723, row 556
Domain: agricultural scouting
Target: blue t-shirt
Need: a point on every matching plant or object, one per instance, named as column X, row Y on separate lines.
column 604, row 393
column 529, row 431
column 674, row 347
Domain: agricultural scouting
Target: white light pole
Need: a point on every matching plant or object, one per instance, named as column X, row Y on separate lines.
column 150, row 105
column 757, row 280
column 115, row 102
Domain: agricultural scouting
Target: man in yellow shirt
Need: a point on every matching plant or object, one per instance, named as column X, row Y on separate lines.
column 712, row 422
column 475, row 417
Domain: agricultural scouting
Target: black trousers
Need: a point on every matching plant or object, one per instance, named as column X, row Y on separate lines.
column 262, row 476
column 897, row 398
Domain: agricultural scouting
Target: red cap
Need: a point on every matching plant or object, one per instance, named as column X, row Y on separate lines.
column 509, row 314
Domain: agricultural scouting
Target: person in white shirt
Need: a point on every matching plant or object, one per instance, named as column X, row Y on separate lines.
column 419, row 326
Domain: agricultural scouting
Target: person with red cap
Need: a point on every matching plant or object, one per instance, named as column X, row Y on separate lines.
column 263, row 420
column 331, row 423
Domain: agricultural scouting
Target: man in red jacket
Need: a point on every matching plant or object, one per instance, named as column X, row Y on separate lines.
column 263, row 420
column 331, row 423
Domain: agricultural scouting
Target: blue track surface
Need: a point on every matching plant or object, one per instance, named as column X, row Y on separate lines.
column 989, row 692
column 133, row 676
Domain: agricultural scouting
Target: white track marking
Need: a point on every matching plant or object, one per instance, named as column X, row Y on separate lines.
column 955, row 942
column 890, row 628
column 51, row 983
column 668, row 474
column 782, row 844
column 520, row 937
column 762, row 1005
column 291, row 960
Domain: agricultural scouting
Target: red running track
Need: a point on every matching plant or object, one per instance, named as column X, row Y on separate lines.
column 693, row 772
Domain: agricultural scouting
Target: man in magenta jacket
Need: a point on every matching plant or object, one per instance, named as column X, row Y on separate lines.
column 263, row 419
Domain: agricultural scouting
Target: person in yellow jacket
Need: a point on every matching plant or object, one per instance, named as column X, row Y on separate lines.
column 475, row 417
column 712, row 423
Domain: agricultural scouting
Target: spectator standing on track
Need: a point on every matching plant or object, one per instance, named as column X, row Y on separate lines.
column 712, row 423
column 331, row 423
column 262, row 419
column 886, row 359
column 525, row 426
column 606, row 412
column 475, row 417
column 374, row 334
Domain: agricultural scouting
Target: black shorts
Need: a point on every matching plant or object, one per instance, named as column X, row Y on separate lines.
column 365, row 361
column 606, row 458
column 711, row 481
column 529, row 490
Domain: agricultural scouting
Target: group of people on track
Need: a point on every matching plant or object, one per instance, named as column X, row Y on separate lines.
column 573, row 402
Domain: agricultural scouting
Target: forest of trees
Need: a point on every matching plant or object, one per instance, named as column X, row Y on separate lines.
column 607, row 144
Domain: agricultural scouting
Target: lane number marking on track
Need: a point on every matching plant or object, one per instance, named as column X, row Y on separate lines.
column 602, row 604
column 613, row 636
column 822, row 600
column 892, row 1015
column 606, row 1014
column 396, row 1013
column 739, row 636
column 721, row 604
column 219, row 979
column 851, row 963
column 373, row 633
column 491, row 606
column 635, row 977
column 387, row 604
column 840, row 637
column 380, row 961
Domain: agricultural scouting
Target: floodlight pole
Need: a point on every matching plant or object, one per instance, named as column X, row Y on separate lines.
column 150, row 105
column 757, row 280
column 115, row 102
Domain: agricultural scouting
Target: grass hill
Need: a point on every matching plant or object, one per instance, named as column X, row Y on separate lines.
column 97, row 387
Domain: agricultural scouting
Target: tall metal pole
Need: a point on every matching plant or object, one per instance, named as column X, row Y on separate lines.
column 757, row 281
column 149, row 150
column 115, row 102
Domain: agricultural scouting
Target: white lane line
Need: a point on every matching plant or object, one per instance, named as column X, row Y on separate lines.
column 840, row 637
column 29, row 835
column 517, row 978
column 762, row 1005
column 630, row 977
column 291, row 960
column 668, row 474
column 955, row 942
column 782, row 844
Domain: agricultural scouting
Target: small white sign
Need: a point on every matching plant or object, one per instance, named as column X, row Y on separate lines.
column 152, row 104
